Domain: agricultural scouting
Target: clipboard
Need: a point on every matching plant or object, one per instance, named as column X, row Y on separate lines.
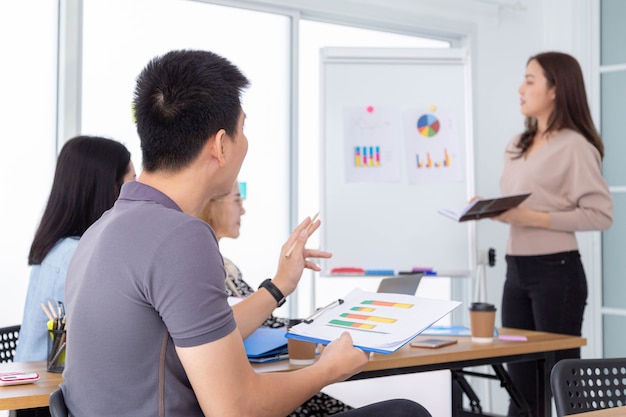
column 377, row 322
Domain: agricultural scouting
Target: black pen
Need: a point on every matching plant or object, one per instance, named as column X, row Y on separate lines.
column 313, row 316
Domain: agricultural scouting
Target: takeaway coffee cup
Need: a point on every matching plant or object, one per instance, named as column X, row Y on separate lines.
column 482, row 322
column 300, row 352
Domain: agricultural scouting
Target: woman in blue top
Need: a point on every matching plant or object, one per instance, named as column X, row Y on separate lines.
column 87, row 180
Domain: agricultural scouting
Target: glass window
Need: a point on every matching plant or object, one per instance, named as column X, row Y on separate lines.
column 613, row 260
column 613, row 103
column 614, row 336
column 612, row 32
column 28, row 115
column 121, row 36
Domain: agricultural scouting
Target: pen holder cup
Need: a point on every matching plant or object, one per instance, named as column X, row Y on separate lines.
column 300, row 352
column 56, row 350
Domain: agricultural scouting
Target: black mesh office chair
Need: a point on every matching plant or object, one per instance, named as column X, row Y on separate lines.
column 57, row 404
column 8, row 342
column 580, row 385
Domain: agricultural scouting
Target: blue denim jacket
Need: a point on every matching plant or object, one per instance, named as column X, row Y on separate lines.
column 47, row 283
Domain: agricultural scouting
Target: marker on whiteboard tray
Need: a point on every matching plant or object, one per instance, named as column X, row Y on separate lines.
column 379, row 272
column 423, row 269
column 347, row 271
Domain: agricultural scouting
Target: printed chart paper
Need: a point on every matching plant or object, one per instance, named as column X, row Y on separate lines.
column 377, row 322
column 372, row 144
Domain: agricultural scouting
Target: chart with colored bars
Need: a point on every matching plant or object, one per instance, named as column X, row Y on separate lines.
column 428, row 125
column 428, row 162
column 367, row 320
column 367, row 156
column 377, row 322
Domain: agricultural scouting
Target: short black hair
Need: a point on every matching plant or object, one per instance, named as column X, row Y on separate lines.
column 181, row 99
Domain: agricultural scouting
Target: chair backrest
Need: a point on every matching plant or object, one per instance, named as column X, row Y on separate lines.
column 8, row 342
column 580, row 385
column 57, row 404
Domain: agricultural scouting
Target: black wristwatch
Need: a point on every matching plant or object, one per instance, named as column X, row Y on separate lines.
column 273, row 289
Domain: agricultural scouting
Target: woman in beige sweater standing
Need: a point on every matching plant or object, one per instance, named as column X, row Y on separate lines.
column 558, row 158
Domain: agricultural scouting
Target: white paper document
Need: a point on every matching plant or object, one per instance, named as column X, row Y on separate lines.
column 377, row 322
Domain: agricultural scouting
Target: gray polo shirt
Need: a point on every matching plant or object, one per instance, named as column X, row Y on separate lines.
column 146, row 277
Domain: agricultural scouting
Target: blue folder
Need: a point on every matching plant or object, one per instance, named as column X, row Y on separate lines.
column 266, row 344
column 451, row 331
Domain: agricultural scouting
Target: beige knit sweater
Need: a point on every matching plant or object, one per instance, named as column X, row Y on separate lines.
column 565, row 179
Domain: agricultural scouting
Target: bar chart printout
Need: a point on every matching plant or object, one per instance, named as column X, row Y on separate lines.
column 377, row 322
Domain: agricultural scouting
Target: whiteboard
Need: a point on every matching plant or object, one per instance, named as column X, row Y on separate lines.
column 385, row 111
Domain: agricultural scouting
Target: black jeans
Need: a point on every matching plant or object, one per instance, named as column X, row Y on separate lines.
column 545, row 293
column 390, row 408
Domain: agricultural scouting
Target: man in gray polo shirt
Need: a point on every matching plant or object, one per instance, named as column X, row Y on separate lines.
column 150, row 331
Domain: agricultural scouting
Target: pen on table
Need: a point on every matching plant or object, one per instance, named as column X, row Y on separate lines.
column 288, row 254
column 318, row 312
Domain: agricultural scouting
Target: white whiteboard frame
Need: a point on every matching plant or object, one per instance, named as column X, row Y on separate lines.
column 410, row 56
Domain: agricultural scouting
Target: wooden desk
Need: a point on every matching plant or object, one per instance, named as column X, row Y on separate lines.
column 16, row 397
column 609, row 412
column 540, row 347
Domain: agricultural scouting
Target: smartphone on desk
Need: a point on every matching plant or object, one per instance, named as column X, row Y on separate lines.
column 17, row 378
column 433, row 343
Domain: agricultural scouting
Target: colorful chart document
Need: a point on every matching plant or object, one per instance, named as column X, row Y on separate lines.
column 377, row 322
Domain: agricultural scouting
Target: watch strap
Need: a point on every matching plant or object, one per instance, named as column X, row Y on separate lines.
column 273, row 289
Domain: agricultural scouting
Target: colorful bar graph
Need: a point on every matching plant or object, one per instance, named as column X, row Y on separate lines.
column 352, row 324
column 368, row 318
column 430, row 163
column 363, row 309
column 367, row 156
column 387, row 304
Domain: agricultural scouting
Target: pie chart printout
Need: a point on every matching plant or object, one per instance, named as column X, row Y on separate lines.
column 428, row 125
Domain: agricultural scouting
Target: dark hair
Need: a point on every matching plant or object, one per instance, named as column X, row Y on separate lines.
column 87, row 180
column 571, row 110
column 181, row 99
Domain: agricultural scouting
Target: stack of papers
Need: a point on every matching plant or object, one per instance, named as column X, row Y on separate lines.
column 377, row 322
